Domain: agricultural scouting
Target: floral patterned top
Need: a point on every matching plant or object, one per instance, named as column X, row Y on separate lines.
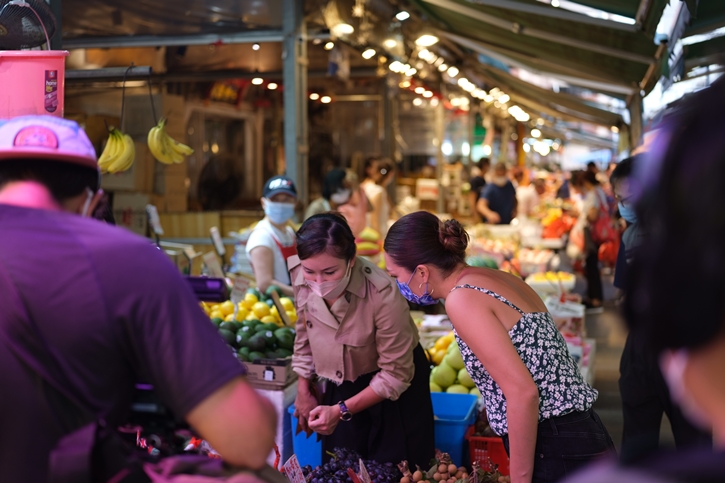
column 562, row 389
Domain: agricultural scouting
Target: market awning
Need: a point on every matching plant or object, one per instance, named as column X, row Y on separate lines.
column 561, row 42
column 705, row 53
column 710, row 15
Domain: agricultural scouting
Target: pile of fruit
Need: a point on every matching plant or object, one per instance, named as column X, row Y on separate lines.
column 450, row 373
column 556, row 277
column 556, row 223
column 445, row 471
column 368, row 242
column 343, row 459
column 257, row 331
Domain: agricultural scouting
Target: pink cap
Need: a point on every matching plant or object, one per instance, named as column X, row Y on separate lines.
column 46, row 137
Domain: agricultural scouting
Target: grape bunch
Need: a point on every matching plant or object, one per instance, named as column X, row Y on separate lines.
column 335, row 471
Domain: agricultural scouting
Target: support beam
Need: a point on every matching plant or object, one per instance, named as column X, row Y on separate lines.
column 538, row 34
column 440, row 135
column 56, row 41
column 294, row 58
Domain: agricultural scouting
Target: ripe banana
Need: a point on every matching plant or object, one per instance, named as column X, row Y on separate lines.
column 164, row 148
column 119, row 153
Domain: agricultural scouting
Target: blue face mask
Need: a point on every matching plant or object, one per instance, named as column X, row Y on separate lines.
column 627, row 212
column 279, row 213
column 424, row 299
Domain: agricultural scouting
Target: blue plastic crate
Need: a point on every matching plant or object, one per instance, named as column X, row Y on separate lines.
column 307, row 449
column 454, row 413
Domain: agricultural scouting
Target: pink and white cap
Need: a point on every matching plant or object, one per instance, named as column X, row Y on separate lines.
column 45, row 137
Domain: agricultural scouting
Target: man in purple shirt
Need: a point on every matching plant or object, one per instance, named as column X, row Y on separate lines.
column 93, row 309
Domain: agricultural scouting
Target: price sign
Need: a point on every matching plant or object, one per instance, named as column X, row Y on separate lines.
column 293, row 471
column 154, row 220
column 216, row 238
column 211, row 260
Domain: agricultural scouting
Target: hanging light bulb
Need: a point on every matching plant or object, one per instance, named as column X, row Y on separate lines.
column 314, row 96
column 402, row 15
column 368, row 54
column 426, row 40
column 453, row 71
column 329, row 45
column 272, row 86
column 257, row 81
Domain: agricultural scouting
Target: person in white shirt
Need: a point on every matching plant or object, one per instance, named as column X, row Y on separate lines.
column 272, row 241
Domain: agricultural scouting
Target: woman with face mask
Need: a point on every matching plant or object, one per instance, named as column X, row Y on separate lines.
column 272, row 241
column 534, row 395
column 355, row 332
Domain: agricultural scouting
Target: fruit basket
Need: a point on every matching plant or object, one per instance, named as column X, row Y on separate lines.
column 483, row 449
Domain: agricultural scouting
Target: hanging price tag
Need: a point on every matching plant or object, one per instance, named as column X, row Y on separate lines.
column 154, row 220
column 211, row 260
column 239, row 290
column 293, row 471
column 364, row 476
column 216, row 238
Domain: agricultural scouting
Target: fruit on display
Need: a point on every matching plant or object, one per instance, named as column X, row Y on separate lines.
column 165, row 148
column 444, row 470
column 449, row 374
column 119, row 153
column 564, row 277
column 368, row 242
column 257, row 332
column 481, row 261
column 335, row 471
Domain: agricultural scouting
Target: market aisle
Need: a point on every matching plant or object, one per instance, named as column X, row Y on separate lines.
column 610, row 333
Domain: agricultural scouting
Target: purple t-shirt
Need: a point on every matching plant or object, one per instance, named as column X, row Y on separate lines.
column 114, row 309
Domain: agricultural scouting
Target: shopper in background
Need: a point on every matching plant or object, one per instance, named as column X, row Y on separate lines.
column 337, row 189
column 477, row 182
column 88, row 310
column 594, row 205
column 355, row 331
column 645, row 397
column 534, row 395
column 497, row 203
column 528, row 195
column 377, row 195
column 272, row 242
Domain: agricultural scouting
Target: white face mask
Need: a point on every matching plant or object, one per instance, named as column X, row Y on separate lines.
column 500, row 180
column 673, row 365
column 278, row 213
column 87, row 204
column 341, row 197
column 333, row 288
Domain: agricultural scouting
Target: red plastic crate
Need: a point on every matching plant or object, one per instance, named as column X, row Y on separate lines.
column 484, row 449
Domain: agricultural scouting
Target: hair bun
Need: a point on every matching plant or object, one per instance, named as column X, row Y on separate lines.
column 453, row 237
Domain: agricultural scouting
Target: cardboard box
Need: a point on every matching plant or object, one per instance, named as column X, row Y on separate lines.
column 270, row 373
column 129, row 210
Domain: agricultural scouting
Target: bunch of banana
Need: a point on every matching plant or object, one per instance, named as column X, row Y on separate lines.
column 164, row 148
column 119, row 153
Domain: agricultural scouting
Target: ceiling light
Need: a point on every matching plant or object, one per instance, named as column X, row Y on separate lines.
column 555, row 146
column 329, row 45
column 539, row 122
column 343, row 29
column 424, row 54
column 368, row 54
column 535, row 133
column 432, row 58
column 272, row 86
column 325, row 99
column 396, row 66
column 405, row 84
column 255, row 46
column 442, row 67
column 527, row 148
column 453, row 71
column 438, row 62
column 417, row 101
column 314, row 96
column 427, row 94
column 488, row 98
column 402, row 15
column 504, row 99
column 455, row 102
column 257, row 81
column 419, row 90
column 426, row 40
column 487, row 150
column 615, row 129
column 411, row 72
column 390, row 43
column 554, row 3
column 434, row 102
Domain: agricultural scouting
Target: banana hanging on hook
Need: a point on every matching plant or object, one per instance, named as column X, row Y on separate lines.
column 165, row 148
column 119, row 153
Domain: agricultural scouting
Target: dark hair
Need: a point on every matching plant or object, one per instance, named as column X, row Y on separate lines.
column 326, row 233
column 579, row 177
column 333, row 182
column 592, row 164
column 63, row 180
column 677, row 283
column 484, row 162
column 421, row 238
column 623, row 170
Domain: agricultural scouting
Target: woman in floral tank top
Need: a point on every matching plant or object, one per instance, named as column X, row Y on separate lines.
column 535, row 397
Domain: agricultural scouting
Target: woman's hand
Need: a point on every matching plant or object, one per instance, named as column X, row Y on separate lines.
column 305, row 402
column 324, row 419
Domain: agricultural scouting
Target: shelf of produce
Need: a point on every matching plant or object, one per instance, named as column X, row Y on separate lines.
column 544, row 243
column 281, row 400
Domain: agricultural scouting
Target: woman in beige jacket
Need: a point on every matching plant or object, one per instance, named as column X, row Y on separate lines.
column 355, row 332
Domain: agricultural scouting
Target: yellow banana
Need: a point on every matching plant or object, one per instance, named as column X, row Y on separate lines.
column 127, row 157
column 176, row 156
column 180, row 148
column 164, row 148
column 111, row 151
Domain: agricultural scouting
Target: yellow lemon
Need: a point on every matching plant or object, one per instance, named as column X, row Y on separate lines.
column 274, row 311
column 251, row 316
column 269, row 319
column 250, row 298
column 260, row 309
column 442, row 343
column 287, row 303
column 438, row 357
column 227, row 307
column 242, row 314
column 229, row 318
column 292, row 315
column 216, row 314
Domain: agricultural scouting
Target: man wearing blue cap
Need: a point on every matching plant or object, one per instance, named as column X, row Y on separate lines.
column 87, row 310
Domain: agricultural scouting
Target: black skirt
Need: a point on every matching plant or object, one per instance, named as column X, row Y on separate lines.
column 391, row 431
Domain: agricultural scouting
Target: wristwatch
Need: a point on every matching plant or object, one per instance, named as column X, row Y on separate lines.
column 345, row 413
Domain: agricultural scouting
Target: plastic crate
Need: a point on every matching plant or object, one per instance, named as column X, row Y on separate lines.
column 454, row 413
column 488, row 450
column 307, row 449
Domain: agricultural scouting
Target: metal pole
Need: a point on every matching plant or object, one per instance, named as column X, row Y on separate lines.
column 294, row 70
column 440, row 137
column 56, row 41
